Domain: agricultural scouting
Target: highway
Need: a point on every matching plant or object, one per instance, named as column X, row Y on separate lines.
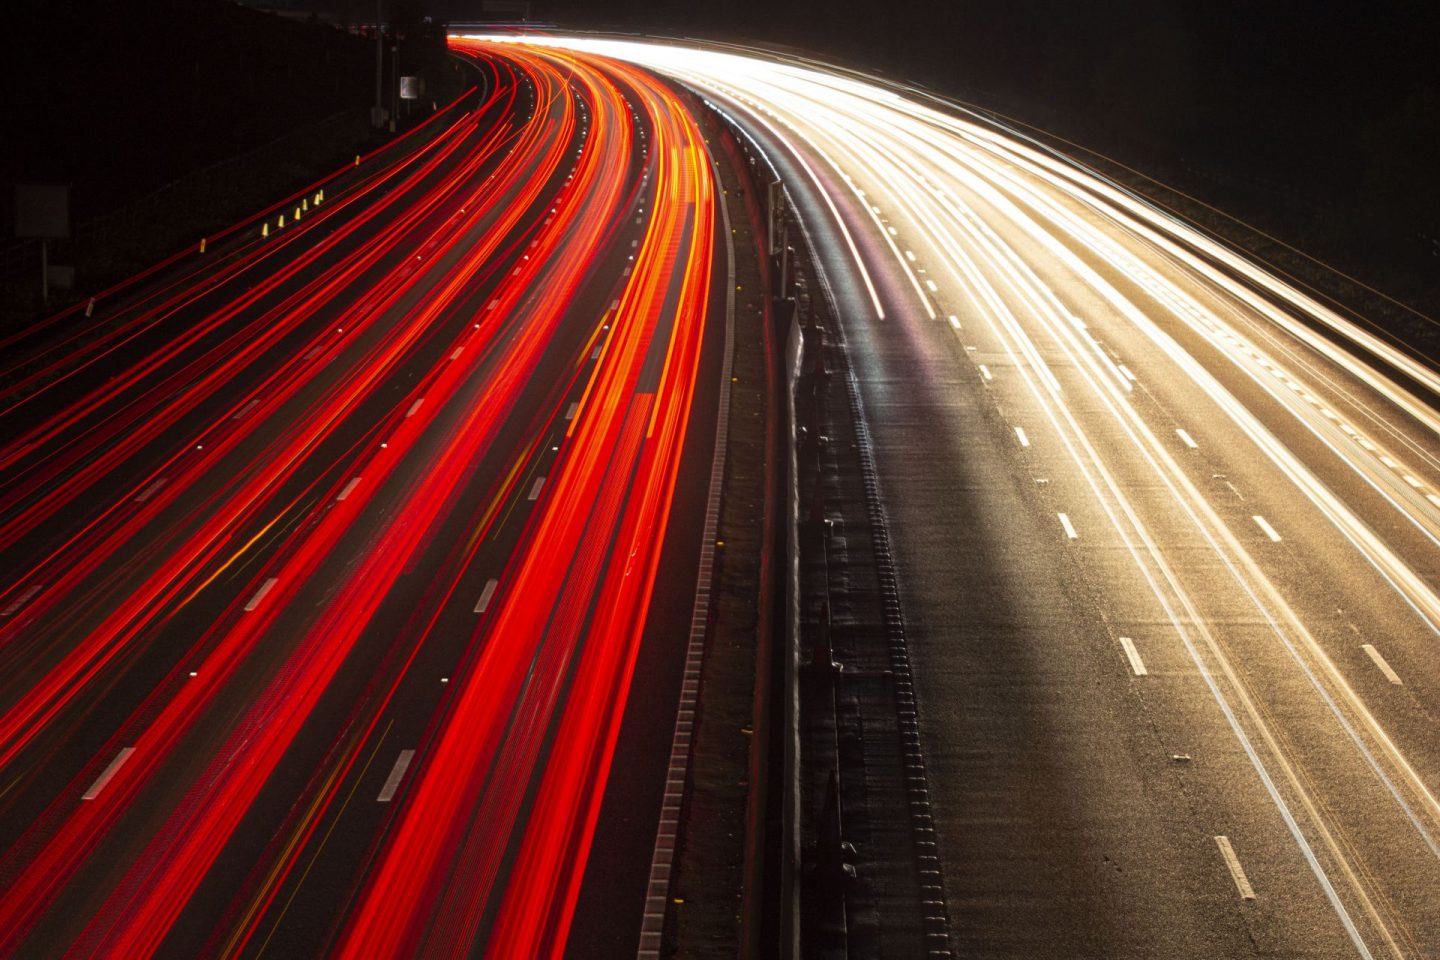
column 1166, row 530
column 328, row 553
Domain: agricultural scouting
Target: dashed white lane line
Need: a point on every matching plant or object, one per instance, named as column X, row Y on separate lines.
column 1237, row 872
column 1069, row 527
column 239, row 414
column 14, row 606
column 1133, row 655
column 595, row 354
column 349, row 488
column 1380, row 662
column 486, row 595
column 456, row 354
column 108, row 775
column 1264, row 525
column 265, row 588
column 570, row 414
column 1020, row 435
column 1128, row 375
column 954, row 321
column 1186, row 439
column 536, row 487
column 985, row 372
column 397, row 773
column 414, row 408
column 930, row 285
column 150, row 491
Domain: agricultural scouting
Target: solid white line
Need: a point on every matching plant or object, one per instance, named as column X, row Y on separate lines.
column 1380, row 662
column 397, row 773
column 21, row 600
column 1265, row 525
column 1069, row 527
column 349, row 488
column 260, row 594
column 414, row 407
column 1020, row 435
column 1188, row 440
column 108, row 775
column 486, row 595
column 1237, row 872
column 570, row 414
column 535, row 488
column 1133, row 656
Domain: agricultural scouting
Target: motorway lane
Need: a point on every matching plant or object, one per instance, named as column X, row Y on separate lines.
column 339, row 626
column 1039, row 345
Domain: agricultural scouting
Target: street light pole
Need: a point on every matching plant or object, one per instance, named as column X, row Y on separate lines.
column 375, row 119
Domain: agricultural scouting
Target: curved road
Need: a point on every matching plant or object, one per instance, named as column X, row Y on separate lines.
column 1167, row 533
column 328, row 555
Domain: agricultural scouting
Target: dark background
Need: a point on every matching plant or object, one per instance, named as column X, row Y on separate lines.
column 1319, row 122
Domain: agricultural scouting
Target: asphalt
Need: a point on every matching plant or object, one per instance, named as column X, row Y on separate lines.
column 317, row 815
column 1078, row 805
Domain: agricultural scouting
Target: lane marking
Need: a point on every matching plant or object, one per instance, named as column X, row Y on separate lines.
column 535, row 488
column 108, row 775
column 1237, row 872
column 397, row 773
column 1069, row 527
column 1380, row 662
column 349, row 488
column 1020, row 435
column 595, row 354
column 1188, row 440
column 1133, row 655
column 1264, row 524
column 150, row 491
column 265, row 588
column 456, row 354
column 954, row 321
column 570, row 414
column 246, row 409
column 21, row 600
column 985, row 372
column 1128, row 375
column 413, row 408
column 486, row 595
column 931, row 284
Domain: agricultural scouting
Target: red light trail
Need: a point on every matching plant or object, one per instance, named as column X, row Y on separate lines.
column 237, row 520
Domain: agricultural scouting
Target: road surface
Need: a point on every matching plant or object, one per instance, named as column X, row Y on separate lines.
column 328, row 556
column 1166, row 530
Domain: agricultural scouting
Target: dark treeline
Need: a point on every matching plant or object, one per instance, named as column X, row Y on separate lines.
column 121, row 97
column 1320, row 121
